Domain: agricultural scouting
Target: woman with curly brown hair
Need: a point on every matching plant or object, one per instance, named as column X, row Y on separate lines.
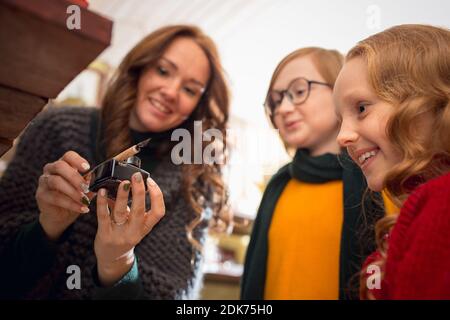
column 393, row 95
column 169, row 80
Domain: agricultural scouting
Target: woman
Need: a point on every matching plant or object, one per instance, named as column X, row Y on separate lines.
column 393, row 95
column 170, row 79
column 305, row 242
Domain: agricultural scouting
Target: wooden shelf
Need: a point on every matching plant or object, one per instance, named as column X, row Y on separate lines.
column 39, row 56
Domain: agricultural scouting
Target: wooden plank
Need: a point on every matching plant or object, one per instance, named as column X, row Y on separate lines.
column 39, row 56
column 42, row 57
column 18, row 108
column 5, row 145
column 93, row 25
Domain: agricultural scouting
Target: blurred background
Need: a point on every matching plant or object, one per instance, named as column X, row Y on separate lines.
column 252, row 37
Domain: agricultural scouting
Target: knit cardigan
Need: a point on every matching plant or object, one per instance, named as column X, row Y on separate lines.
column 35, row 268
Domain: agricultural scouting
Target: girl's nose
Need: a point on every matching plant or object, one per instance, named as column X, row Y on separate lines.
column 286, row 106
column 347, row 135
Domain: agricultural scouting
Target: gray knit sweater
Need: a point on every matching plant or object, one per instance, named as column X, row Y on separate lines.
column 164, row 255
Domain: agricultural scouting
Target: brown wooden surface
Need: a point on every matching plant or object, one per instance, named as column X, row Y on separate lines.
column 39, row 56
column 222, row 277
column 18, row 108
column 93, row 26
column 5, row 145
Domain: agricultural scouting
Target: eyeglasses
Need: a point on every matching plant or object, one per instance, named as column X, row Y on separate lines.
column 297, row 92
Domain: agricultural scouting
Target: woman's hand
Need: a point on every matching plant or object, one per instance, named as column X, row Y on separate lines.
column 122, row 229
column 62, row 194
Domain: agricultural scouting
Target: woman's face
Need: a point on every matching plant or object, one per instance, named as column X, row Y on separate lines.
column 364, row 120
column 312, row 124
column 170, row 90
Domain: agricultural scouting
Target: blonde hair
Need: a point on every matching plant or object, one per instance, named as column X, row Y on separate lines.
column 409, row 67
column 328, row 64
column 212, row 110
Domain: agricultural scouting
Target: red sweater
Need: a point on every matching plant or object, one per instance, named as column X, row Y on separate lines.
column 418, row 262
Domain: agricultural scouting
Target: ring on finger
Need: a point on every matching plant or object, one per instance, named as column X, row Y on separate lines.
column 121, row 223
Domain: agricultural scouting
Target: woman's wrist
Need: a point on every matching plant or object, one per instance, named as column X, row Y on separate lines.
column 53, row 233
column 111, row 272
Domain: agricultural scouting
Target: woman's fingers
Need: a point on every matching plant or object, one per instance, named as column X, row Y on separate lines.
column 138, row 192
column 57, row 199
column 115, row 238
column 104, row 221
column 76, row 161
column 111, row 204
column 57, row 183
column 138, row 219
column 69, row 173
column 121, row 211
column 158, row 209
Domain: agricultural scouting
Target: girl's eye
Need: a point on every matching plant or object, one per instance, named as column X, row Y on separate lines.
column 362, row 108
column 162, row 71
column 190, row 91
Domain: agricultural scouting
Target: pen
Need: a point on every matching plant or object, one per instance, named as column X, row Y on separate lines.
column 131, row 151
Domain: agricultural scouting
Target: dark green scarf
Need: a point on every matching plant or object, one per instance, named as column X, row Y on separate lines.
column 354, row 248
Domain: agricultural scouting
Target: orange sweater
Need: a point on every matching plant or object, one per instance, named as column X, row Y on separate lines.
column 304, row 242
